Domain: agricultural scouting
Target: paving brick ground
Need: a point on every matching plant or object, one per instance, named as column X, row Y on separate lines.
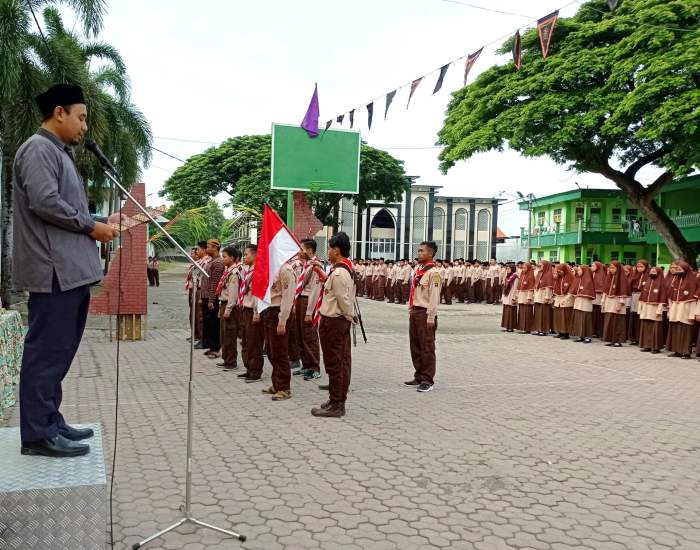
column 526, row 442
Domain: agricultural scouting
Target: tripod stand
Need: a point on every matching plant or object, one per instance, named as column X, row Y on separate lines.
column 187, row 507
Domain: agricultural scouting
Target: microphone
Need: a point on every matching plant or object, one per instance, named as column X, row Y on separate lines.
column 91, row 146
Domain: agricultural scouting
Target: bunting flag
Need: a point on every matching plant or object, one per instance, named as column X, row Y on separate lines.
column 340, row 119
column 545, row 28
column 438, row 84
column 328, row 125
column 310, row 122
column 370, row 114
column 517, row 51
column 612, row 4
column 352, row 118
column 414, row 85
column 471, row 59
column 389, row 99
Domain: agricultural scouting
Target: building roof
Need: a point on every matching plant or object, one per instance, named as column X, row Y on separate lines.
column 690, row 182
column 500, row 234
column 573, row 194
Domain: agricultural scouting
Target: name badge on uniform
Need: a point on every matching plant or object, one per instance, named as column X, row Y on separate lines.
column 656, row 290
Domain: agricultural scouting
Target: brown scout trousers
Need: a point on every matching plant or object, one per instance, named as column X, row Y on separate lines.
column 230, row 329
column 278, row 349
column 422, row 342
column 252, row 344
column 308, row 337
column 334, row 333
column 381, row 284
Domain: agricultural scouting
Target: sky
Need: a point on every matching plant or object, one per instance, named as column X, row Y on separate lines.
column 206, row 71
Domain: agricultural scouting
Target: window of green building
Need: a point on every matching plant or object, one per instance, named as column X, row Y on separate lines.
column 540, row 254
column 630, row 258
column 632, row 214
column 615, row 255
column 577, row 253
column 540, row 218
column 579, row 213
column 557, row 215
column 616, row 215
column 553, row 256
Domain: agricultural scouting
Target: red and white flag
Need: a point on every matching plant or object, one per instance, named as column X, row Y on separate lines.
column 277, row 245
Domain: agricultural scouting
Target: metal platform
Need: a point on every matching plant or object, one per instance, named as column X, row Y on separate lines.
column 49, row 503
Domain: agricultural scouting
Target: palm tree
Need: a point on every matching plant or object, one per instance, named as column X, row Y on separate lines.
column 30, row 61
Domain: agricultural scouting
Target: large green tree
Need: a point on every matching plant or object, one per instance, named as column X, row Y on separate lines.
column 29, row 63
column 240, row 167
column 619, row 91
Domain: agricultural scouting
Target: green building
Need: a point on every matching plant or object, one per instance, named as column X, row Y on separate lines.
column 584, row 225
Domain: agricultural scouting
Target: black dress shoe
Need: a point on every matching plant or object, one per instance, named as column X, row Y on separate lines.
column 198, row 345
column 58, row 447
column 324, row 387
column 242, row 375
column 75, row 434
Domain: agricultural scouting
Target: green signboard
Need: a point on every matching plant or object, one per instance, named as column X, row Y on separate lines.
column 328, row 163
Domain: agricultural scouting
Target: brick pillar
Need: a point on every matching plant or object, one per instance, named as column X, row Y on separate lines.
column 134, row 292
column 306, row 224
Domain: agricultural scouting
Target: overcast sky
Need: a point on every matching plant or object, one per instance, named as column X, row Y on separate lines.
column 209, row 70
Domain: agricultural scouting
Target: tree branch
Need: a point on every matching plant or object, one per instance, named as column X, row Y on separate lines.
column 643, row 161
column 653, row 189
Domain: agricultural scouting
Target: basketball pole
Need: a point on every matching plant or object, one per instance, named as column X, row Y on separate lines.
column 290, row 210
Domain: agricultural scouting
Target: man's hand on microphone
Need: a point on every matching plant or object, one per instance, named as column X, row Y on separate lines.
column 103, row 233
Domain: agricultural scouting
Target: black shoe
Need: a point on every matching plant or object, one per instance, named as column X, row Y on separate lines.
column 58, row 447
column 564, row 337
column 685, row 356
column 243, row 375
column 655, row 351
column 424, row 387
column 587, row 341
column 324, row 387
column 411, row 383
column 609, row 345
column 675, row 354
column 230, row 367
column 580, row 340
column 557, row 336
column 646, row 349
column 75, row 434
column 617, row 345
column 251, row 379
column 198, row 345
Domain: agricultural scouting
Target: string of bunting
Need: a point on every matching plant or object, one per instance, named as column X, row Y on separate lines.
column 545, row 30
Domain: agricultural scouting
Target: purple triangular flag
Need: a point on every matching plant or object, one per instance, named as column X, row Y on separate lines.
column 310, row 122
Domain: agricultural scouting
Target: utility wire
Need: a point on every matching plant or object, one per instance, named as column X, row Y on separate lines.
column 467, row 4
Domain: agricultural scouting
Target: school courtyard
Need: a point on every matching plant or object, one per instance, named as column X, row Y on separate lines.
column 525, row 443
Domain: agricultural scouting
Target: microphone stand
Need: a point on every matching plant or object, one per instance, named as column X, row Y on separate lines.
column 186, row 509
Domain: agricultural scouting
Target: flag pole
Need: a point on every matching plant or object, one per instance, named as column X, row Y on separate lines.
column 290, row 209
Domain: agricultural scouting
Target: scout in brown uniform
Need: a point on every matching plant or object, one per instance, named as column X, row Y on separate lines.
column 381, row 280
column 253, row 335
column 276, row 321
column 390, row 281
column 682, row 304
column 544, row 285
column 652, row 305
column 599, row 272
column 639, row 274
column 229, row 314
column 614, row 307
column 563, row 304
column 336, row 315
column 526, row 297
column 202, row 260
column 210, row 302
column 509, row 299
column 422, row 317
column 583, row 292
column 308, row 290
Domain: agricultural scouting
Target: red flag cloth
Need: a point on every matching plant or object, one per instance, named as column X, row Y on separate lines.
column 277, row 245
column 545, row 28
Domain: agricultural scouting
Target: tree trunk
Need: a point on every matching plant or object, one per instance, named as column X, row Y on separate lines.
column 643, row 198
column 6, row 201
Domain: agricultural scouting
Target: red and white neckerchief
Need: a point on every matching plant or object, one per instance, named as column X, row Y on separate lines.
column 188, row 278
column 302, row 280
column 422, row 270
column 224, row 280
column 245, row 285
column 316, row 316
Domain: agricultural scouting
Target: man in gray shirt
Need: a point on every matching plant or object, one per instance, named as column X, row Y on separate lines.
column 56, row 259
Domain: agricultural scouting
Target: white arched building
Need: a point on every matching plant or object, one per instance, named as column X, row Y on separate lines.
column 462, row 227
